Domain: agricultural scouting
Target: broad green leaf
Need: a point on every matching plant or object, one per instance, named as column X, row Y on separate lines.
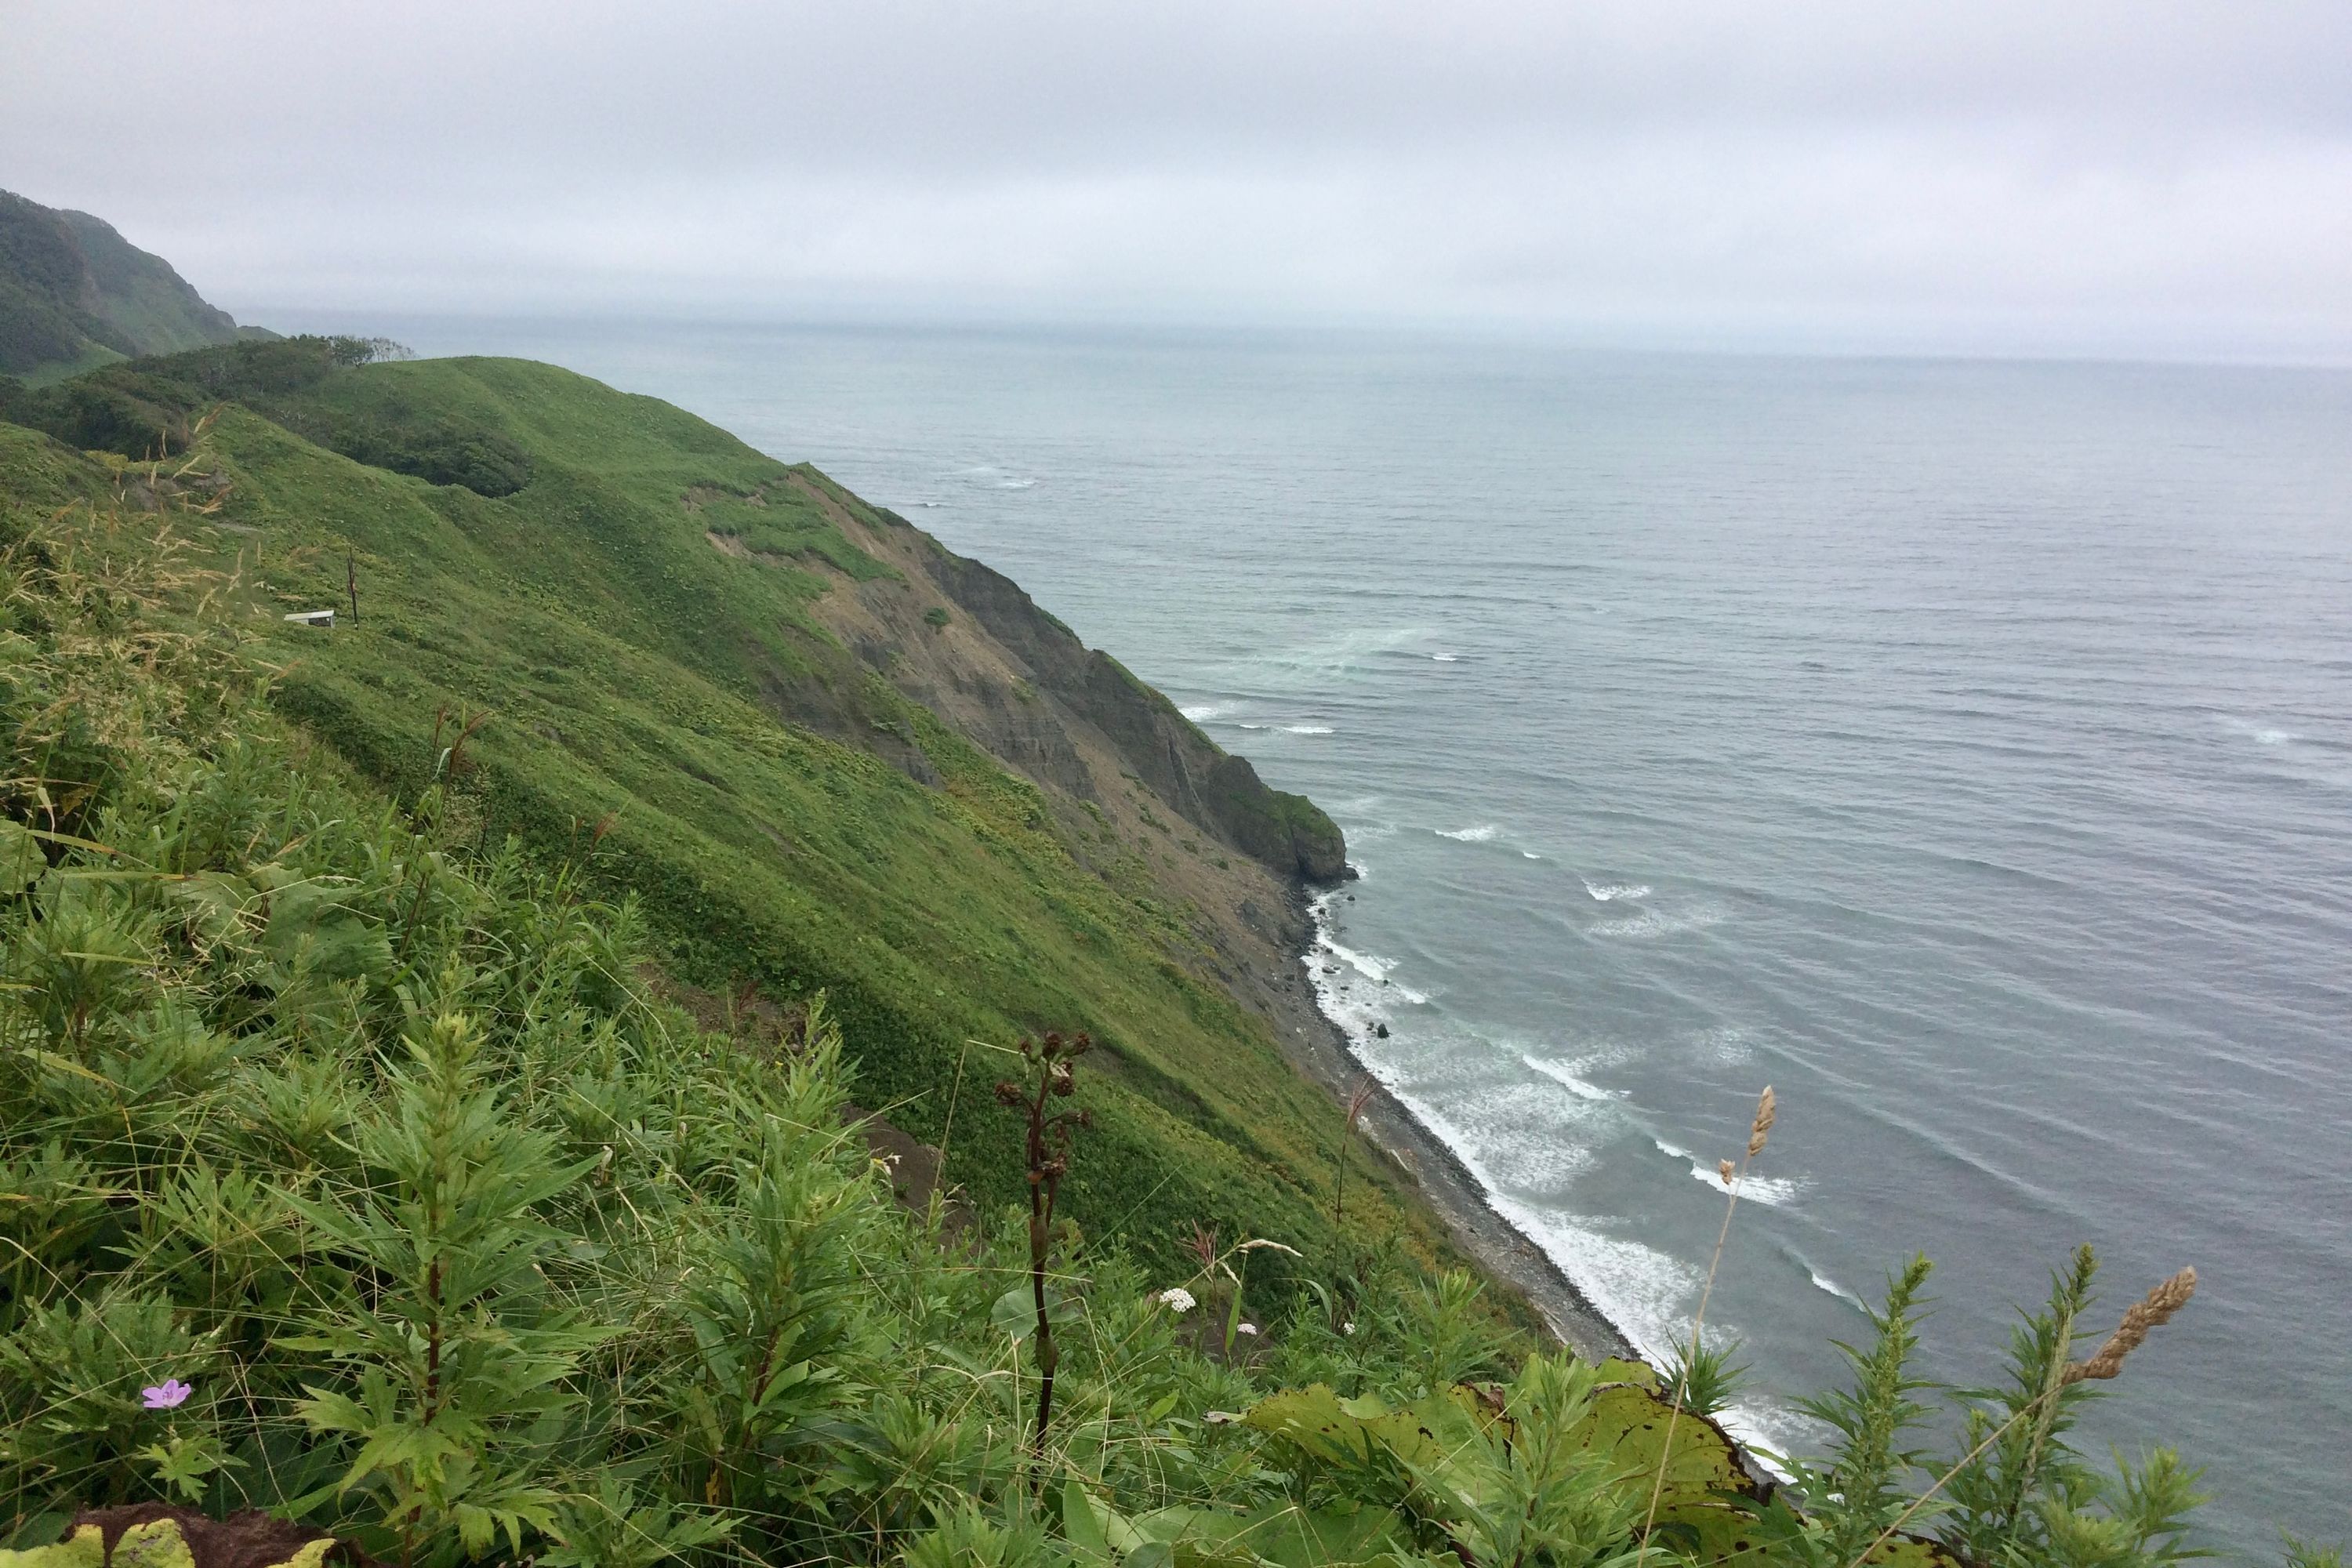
column 1617, row 1369
column 1082, row 1523
column 1629, row 1426
column 1015, row 1311
column 1911, row 1551
column 1424, row 1435
column 1279, row 1536
column 21, row 862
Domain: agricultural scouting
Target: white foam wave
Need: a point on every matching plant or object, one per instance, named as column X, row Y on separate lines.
column 1564, row 1075
column 1823, row 1282
column 1768, row 1429
column 1660, row 924
column 1529, row 855
column 1607, row 892
column 1199, row 711
column 1773, row 1192
column 1371, row 966
column 1638, row 1288
column 1478, row 835
column 1444, row 657
column 1644, row 1293
column 1306, row 730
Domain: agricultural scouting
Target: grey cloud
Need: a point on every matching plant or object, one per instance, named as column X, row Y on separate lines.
column 2000, row 174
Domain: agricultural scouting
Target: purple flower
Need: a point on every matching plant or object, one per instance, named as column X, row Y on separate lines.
column 168, row 1394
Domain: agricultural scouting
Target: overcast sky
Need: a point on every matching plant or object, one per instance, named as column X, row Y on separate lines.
column 1980, row 174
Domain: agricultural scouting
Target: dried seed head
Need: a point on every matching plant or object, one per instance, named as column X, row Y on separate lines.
column 1723, row 1169
column 2153, row 1310
column 1762, row 1126
column 1008, row 1092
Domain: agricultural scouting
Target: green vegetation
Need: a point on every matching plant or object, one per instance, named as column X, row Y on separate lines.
column 635, row 676
column 370, row 1162
column 75, row 295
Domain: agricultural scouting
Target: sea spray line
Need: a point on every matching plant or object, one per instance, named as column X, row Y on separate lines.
column 1636, row 1289
column 1567, row 1078
column 1633, row 1287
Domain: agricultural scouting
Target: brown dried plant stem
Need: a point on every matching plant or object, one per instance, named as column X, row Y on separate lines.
column 1055, row 1059
column 1759, row 1131
column 1356, row 1102
column 2151, row 1312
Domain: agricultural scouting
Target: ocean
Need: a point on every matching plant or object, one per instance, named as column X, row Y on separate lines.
column 1962, row 748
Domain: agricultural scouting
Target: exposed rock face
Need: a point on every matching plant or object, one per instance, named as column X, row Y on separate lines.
column 1209, row 786
column 969, row 642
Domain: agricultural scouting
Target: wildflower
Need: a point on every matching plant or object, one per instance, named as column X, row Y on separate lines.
column 1348, row 1330
column 1249, row 1329
column 1176, row 1299
column 168, row 1394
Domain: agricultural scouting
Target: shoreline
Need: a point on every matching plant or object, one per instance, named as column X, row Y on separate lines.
column 1322, row 1049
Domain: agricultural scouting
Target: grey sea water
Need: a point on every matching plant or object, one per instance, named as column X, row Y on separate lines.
column 1964, row 749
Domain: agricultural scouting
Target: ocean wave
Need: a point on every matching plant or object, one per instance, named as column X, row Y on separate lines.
column 1823, row 1282
column 1607, row 893
column 1773, row 1192
column 1481, row 834
column 1529, row 855
column 1657, row 922
column 1564, row 1075
column 1769, row 1430
column 1306, row 730
column 1445, row 659
column 1640, row 1290
column 1370, row 966
column 1198, row 711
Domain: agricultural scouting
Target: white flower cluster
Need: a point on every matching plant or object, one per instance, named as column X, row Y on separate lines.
column 1176, row 1299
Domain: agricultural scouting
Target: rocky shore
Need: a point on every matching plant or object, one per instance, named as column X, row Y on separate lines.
column 1321, row 1049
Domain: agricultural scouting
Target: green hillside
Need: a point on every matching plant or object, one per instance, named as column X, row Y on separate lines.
column 789, row 818
column 74, row 294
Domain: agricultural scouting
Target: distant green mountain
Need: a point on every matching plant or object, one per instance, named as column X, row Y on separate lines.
column 74, row 294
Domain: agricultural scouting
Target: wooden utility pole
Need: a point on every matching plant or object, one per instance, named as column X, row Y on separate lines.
column 352, row 584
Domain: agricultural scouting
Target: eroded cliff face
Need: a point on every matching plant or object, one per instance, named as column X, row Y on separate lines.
column 1136, row 789
column 969, row 642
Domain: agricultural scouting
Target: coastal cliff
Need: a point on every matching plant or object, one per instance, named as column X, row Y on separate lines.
column 823, row 752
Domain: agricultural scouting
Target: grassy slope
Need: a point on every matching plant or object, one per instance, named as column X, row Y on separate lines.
column 625, row 665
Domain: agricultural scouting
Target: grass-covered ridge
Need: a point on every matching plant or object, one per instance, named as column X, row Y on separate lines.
column 787, row 819
column 358, row 1167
